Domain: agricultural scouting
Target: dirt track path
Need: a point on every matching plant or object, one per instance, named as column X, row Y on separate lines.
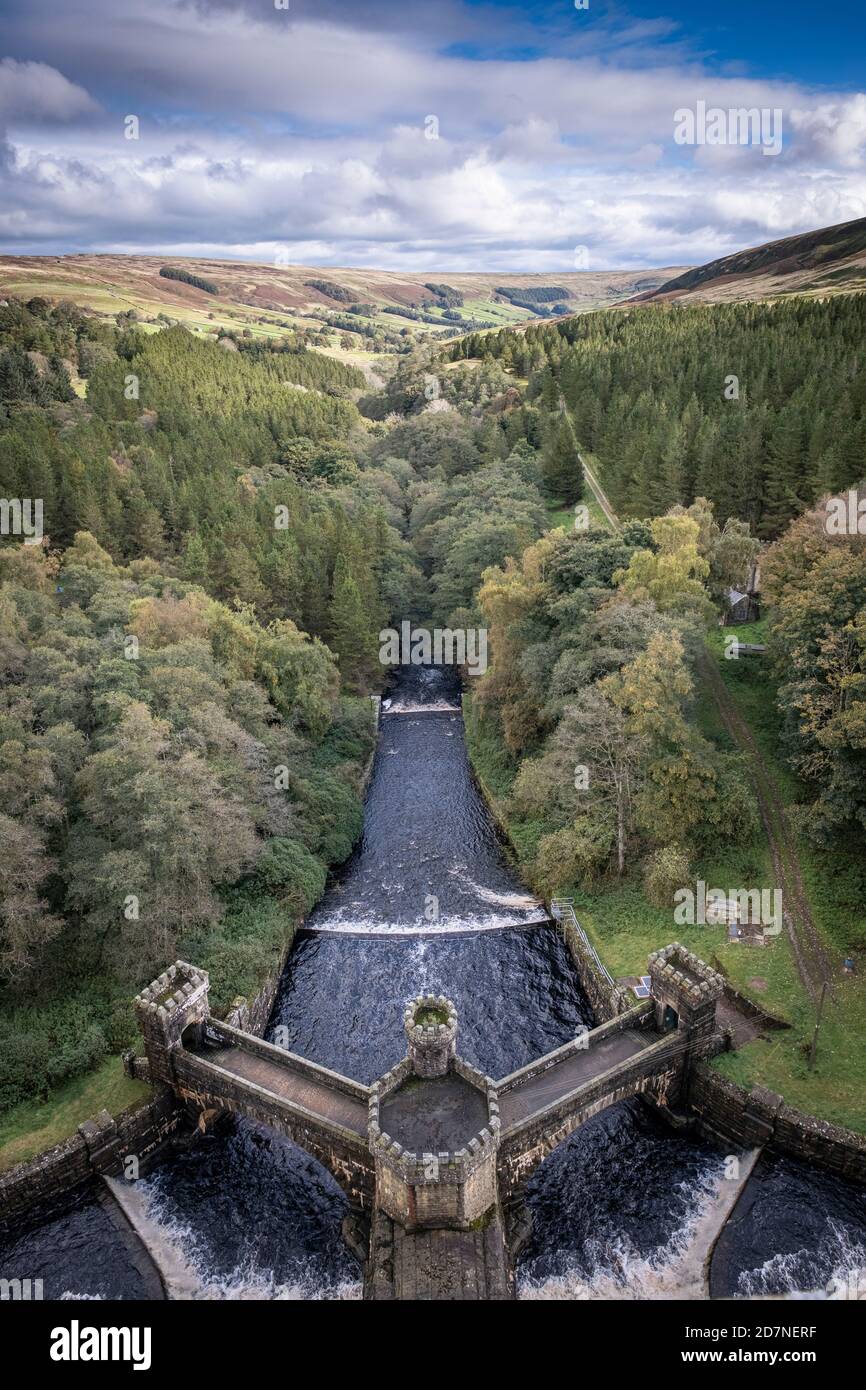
column 599, row 493
column 813, row 963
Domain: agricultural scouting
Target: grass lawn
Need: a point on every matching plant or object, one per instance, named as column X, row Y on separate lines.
column 34, row 1126
column 559, row 514
column 836, row 1089
column 488, row 309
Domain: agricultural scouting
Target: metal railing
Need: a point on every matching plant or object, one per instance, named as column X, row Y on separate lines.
column 562, row 911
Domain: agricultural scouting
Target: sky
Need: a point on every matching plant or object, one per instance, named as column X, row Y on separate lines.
column 425, row 134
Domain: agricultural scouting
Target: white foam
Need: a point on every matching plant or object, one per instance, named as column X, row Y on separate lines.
column 246, row 1282
column 620, row 1272
column 490, row 895
column 434, row 707
column 779, row 1274
column 340, row 925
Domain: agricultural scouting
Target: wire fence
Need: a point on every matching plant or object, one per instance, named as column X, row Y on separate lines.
column 562, row 911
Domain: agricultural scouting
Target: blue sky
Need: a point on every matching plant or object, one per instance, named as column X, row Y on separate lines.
column 800, row 40
column 461, row 134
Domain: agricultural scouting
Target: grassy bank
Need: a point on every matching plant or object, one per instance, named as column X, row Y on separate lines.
column 625, row 927
column 34, row 1126
column 834, row 1090
column 562, row 514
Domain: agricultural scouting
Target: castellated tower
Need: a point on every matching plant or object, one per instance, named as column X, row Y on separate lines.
column 174, row 1007
column 434, row 1127
column 685, row 992
column 430, row 1022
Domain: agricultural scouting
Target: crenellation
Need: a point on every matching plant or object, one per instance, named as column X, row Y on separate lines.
column 434, row 1094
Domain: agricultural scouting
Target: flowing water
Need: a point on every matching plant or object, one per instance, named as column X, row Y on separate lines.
column 428, row 901
column 74, row 1248
column 819, row 1246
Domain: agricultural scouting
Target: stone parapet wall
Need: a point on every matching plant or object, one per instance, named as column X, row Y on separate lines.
column 475, row 1077
column 685, row 974
column 421, row 1169
column 40, row 1179
column 245, row 1042
column 449, row 1189
column 252, row 1015
column 344, row 1153
column 606, row 998
column 657, row 1071
column 746, row 1006
column 638, row 1017
column 100, row 1146
column 742, row 1118
column 416, row 1170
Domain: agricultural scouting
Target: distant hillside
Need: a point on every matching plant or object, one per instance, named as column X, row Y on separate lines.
column 825, row 261
column 268, row 299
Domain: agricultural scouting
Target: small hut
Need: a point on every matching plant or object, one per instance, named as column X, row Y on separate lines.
column 744, row 605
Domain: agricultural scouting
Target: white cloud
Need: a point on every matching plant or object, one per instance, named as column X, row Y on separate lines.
column 834, row 132
column 35, row 91
column 261, row 129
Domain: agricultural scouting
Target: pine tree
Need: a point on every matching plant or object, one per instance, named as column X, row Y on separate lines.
column 562, row 470
column 194, row 564
column 351, row 633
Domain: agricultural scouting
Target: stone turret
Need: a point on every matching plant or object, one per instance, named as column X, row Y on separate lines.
column 430, row 1022
column 436, row 1099
column 174, row 1007
column 685, row 992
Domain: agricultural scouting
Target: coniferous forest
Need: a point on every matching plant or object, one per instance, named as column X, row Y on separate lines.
column 228, row 527
column 758, row 407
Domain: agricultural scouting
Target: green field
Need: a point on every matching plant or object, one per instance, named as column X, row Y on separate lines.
column 561, row 515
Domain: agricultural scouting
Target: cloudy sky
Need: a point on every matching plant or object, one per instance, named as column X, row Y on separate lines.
column 422, row 134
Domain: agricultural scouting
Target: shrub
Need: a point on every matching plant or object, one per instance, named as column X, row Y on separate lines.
column 666, row 870
column 333, row 816
column 42, row 1047
column 287, row 869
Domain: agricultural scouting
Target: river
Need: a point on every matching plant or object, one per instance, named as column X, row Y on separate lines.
column 429, row 901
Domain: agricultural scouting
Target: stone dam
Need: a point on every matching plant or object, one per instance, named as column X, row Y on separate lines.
column 434, row 1155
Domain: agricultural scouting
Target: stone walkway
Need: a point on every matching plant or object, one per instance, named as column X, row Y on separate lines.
column 284, row 1081
column 434, row 1266
column 534, row 1094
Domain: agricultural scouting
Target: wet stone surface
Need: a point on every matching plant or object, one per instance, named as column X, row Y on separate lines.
column 437, row 1115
